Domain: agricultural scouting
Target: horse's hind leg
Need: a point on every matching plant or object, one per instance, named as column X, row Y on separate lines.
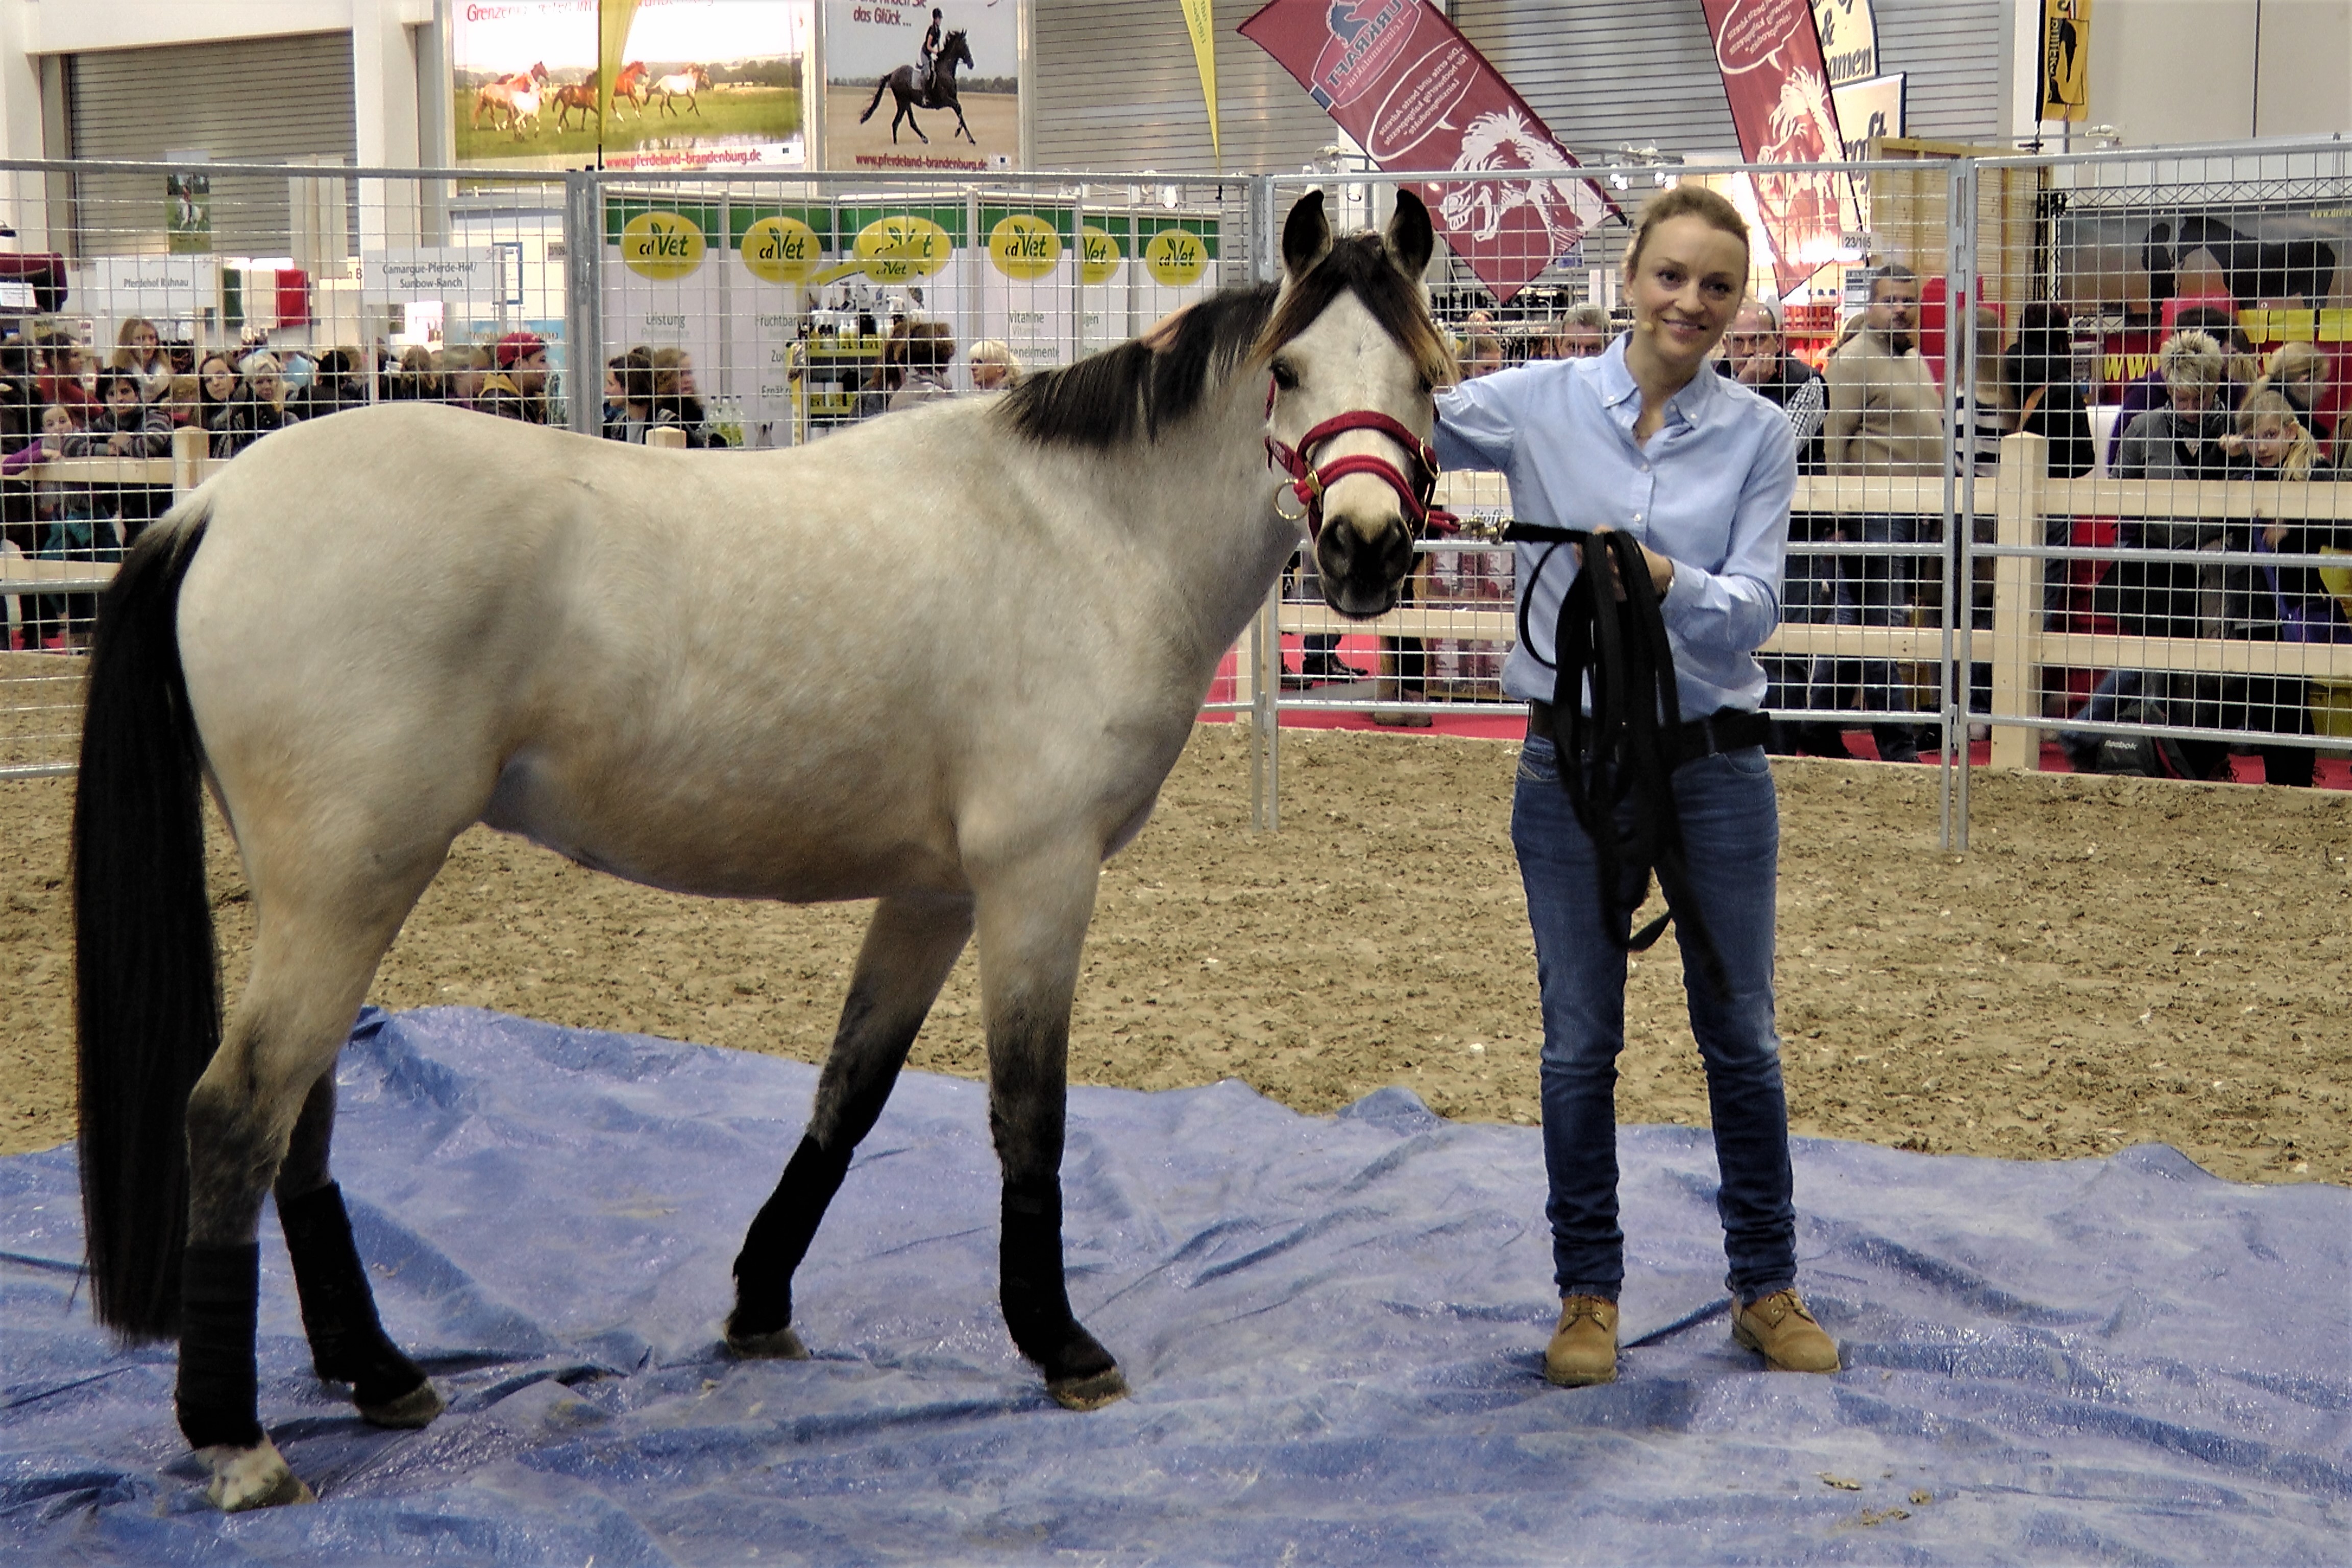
column 910, row 948
column 316, row 946
column 348, row 1344
column 1032, row 924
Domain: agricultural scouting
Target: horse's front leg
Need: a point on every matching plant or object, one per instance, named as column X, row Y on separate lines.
column 965, row 130
column 910, row 946
column 1032, row 922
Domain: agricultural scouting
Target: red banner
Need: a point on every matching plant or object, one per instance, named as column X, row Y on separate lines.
column 1777, row 83
column 1416, row 95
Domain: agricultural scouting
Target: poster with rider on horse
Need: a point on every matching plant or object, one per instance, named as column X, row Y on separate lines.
column 933, row 85
column 696, row 84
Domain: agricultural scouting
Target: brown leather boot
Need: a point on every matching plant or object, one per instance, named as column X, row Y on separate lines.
column 1778, row 1328
column 1583, row 1349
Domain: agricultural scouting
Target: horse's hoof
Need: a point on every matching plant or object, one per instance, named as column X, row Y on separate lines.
column 1092, row 1392
column 245, row 1479
column 415, row 1408
column 782, row 1345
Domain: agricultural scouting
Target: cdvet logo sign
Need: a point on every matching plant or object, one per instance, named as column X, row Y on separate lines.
column 781, row 251
column 1176, row 256
column 662, row 244
column 1098, row 254
column 1023, row 246
column 902, row 246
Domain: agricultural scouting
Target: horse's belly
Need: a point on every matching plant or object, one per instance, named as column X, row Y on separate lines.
column 798, row 844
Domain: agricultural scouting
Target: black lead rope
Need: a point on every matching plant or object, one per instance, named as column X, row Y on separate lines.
column 1626, row 750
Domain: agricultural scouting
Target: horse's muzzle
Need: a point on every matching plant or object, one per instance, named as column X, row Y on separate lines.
column 1362, row 563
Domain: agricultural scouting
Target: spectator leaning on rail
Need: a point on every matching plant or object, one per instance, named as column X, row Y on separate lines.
column 676, row 404
column 125, row 426
column 259, row 408
column 1755, row 355
column 140, row 350
column 1885, row 420
column 631, row 412
column 2179, row 442
column 2216, row 320
column 2292, row 604
column 216, row 390
column 1647, row 439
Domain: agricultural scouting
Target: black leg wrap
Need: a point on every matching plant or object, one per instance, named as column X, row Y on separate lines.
column 1037, row 1302
column 220, row 1288
column 779, row 1239
column 348, row 1344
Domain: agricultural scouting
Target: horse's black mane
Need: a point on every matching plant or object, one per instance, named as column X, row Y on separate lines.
column 1146, row 386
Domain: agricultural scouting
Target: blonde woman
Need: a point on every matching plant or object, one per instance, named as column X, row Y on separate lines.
column 138, row 350
column 2302, row 374
column 995, row 365
column 259, row 408
column 2280, row 604
column 1646, row 439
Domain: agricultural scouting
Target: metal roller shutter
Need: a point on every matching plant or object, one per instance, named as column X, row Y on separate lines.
column 260, row 99
column 1117, row 90
column 1604, row 74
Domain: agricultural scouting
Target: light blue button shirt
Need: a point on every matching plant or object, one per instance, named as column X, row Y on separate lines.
column 1710, row 491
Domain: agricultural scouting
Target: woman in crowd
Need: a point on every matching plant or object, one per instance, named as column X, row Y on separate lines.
column 411, row 378
column 995, row 365
column 138, row 350
column 216, row 390
column 918, row 354
column 182, row 401
column 1645, row 438
column 2282, row 603
column 2039, row 372
column 64, row 377
column 629, row 409
column 258, row 408
column 68, row 528
column 2300, row 372
column 462, row 369
column 676, row 402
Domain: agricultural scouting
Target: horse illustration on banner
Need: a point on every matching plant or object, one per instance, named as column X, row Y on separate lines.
column 1802, row 209
column 1507, row 140
column 509, row 100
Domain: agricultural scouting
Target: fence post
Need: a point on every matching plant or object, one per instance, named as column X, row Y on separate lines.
column 2017, row 602
column 668, row 437
column 584, row 302
column 190, row 446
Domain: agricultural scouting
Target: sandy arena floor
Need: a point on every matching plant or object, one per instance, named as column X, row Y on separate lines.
column 2116, row 961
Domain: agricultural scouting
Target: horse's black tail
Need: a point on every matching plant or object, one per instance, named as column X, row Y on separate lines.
column 879, row 88
column 146, row 980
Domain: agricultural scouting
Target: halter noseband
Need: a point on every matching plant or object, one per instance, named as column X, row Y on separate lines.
column 1309, row 481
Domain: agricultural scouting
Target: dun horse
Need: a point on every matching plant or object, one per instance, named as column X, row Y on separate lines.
column 657, row 665
column 940, row 92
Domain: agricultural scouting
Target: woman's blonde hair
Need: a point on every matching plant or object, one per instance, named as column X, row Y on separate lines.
column 2292, row 362
column 122, row 358
column 2266, row 404
column 1687, row 201
column 261, row 363
column 2191, row 360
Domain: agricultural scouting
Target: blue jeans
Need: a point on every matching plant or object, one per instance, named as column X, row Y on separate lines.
column 1731, row 834
column 1877, row 591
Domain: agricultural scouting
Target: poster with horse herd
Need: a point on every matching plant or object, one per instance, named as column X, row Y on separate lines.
column 694, row 83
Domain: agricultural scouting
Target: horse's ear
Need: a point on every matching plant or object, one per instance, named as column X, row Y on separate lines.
column 1306, row 236
column 1409, row 238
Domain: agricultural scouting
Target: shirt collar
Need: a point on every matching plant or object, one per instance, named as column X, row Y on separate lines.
column 1621, row 393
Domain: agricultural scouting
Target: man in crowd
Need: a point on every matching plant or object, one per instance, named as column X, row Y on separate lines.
column 127, row 426
column 1885, row 420
column 1582, row 334
column 1755, row 355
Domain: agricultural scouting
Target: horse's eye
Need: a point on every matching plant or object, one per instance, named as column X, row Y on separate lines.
column 1284, row 376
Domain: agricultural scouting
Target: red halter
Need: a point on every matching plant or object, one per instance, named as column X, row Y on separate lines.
column 1309, row 481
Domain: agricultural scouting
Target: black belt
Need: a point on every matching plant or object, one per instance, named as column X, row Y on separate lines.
column 1724, row 730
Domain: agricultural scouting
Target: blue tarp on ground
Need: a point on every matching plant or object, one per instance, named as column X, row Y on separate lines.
column 1334, row 1329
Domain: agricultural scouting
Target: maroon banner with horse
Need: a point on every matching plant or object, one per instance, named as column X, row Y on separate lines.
column 1777, row 82
column 1416, row 95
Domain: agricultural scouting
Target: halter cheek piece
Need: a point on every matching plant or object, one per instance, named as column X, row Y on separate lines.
column 1309, row 480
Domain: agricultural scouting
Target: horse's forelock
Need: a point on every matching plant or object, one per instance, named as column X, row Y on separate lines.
column 1359, row 264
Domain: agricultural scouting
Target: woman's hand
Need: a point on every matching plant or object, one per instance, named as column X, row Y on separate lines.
column 1662, row 568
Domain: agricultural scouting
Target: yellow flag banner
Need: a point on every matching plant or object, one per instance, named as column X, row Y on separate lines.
column 1201, row 22
column 613, row 20
column 2065, row 59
